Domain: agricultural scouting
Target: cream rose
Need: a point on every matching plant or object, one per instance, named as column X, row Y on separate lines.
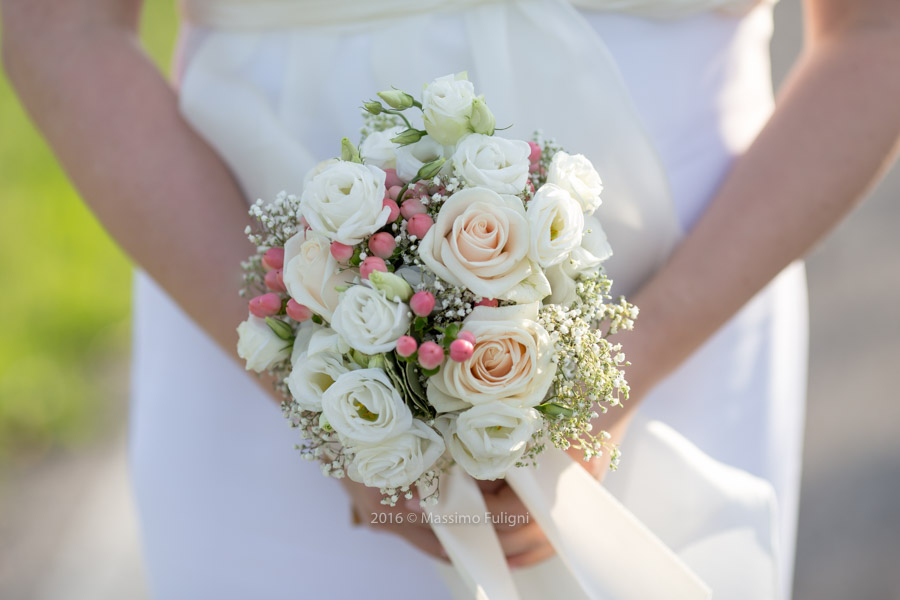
column 364, row 408
column 480, row 241
column 344, row 201
column 576, row 175
column 487, row 440
column 378, row 149
column 511, row 362
column 311, row 273
column 368, row 321
column 316, row 367
column 492, row 162
column 584, row 260
column 447, row 106
column 556, row 223
column 398, row 461
column 412, row 157
column 259, row 346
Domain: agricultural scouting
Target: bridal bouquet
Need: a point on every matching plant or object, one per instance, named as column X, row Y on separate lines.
column 436, row 295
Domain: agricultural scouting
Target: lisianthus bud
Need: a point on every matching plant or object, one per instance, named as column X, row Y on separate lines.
column 391, row 179
column 297, row 311
column 461, row 350
column 274, row 281
column 406, row 346
column 372, row 263
column 393, row 286
column 280, row 328
column 341, row 252
column 535, row 152
column 397, row 99
column 429, row 170
column 382, row 244
column 273, row 258
column 265, row 305
column 493, row 303
column 419, row 224
column 410, row 136
column 466, row 335
column 422, row 303
column 411, row 207
column 482, row 119
column 431, row 355
column 395, row 210
column 349, row 152
column 373, row 107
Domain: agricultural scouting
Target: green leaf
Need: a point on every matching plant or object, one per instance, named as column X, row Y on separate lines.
column 552, row 409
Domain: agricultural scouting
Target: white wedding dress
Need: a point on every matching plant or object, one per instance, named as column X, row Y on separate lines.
column 228, row 509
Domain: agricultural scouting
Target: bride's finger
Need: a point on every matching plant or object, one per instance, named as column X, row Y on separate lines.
column 519, row 540
column 532, row 557
column 423, row 539
column 507, row 507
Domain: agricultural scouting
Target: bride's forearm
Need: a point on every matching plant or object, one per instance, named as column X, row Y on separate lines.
column 834, row 129
column 113, row 122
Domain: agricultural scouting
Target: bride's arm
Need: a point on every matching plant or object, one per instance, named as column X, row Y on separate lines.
column 158, row 188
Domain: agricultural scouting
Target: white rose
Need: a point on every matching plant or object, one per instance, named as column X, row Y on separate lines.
column 492, row 162
column 512, row 362
column 345, row 202
column 447, row 106
column 311, row 273
column 378, row 149
column 399, row 461
column 364, row 408
column 584, row 260
column 316, row 367
column 556, row 223
column 488, row 439
column 480, row 241
column 368, row 321
column 259, row 346
column 576, row 175
column 412, row 157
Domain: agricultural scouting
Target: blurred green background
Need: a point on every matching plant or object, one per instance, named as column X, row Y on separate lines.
column 65, row 286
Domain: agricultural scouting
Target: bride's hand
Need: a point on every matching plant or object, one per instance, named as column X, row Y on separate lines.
column 368, row 508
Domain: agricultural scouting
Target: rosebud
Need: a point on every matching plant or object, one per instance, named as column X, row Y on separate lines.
column 395, row 210
column 373, row 107
column 431, row 355
column 393, row 286
column 482, row 119
column 487, row 302
column 273, row 258
column 372, row 263
column 265, row 305
column 274, row 281
column 466, row 335
column 406, row 346
column 297, row 311
column 419, row 224
column 410, row 136
column 422, row 303
column 341, row 252
column 461, row 350
column 382, row 244
column 411, row 207
column 397, row 99
column 429, row 170
column 349, row 152
column 391, row 179
column 535, row 152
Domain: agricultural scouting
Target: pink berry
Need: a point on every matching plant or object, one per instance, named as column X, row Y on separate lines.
column 461, row 350
column 297, row 311
column 265, row 305
column 535, row 152
column 418, row 225
column 422, row 303
column 372, row 263
column 394, row 192
column 406, row 346
column 411, row 207
column 466, row 335
column 487, row 302
column 430, row 355
column 395, row 210
column 530, row 186
column 382, row 244
column 391, row 178
column 274, row 281
column 341, row 252
column 273, row 258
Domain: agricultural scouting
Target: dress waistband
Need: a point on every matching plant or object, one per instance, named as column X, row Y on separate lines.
column 250, row 15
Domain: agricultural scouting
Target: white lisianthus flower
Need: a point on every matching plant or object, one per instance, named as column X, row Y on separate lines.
column 311, row 273
column 576, row 175
column 584, row 260
column 447, row 107
column 317, row 366
column 378, row 149
column 345, row 202
column 364, row 408
column 412, row 157
column 480, row 241
column 556, row 223
column 487, row 440
column 496, row 163
column 399, row 461
column 259, row 346
column 368, row 321
column 512, row 362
